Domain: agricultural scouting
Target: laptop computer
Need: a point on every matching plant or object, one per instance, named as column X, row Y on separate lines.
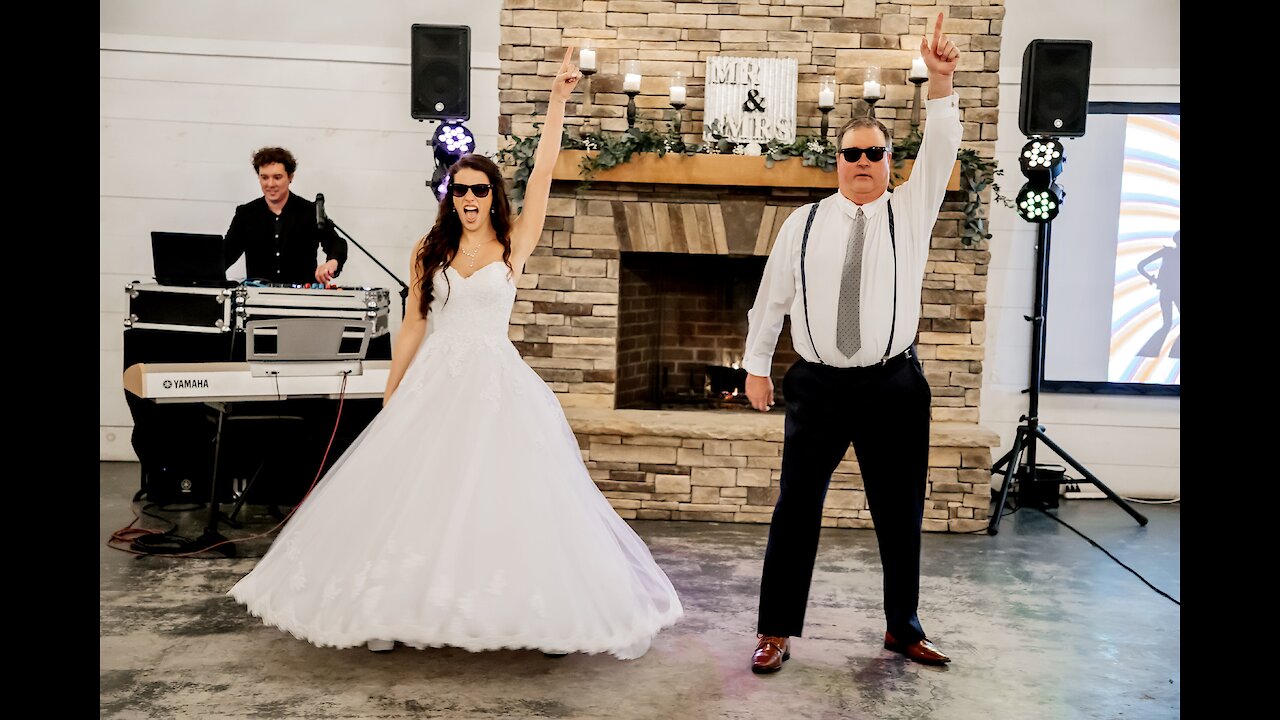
column 189, row 259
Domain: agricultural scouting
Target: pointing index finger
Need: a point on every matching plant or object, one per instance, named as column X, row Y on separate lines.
column 937, row 33
column 568, row 55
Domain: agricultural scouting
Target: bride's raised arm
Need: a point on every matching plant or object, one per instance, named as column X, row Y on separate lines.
column 528, row 227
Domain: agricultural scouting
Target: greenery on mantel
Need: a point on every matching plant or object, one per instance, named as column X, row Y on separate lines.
column 976, row 174
column 612, row 149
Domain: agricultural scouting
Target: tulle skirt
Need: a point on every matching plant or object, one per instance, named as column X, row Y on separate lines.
column 463, row 515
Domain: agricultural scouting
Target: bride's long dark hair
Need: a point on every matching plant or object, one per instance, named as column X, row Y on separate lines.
column 441, row 244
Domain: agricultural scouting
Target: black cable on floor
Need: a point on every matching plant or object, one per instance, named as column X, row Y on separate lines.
column 139, row 541
column 1113, row 557
column 161, row 544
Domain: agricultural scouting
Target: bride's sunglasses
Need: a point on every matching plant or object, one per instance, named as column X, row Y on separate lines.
column 874, row 154
column 481, row 190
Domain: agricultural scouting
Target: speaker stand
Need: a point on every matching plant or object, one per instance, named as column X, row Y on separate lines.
column 1031, row 431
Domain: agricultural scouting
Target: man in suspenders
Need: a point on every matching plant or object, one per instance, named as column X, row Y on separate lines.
column 849, row 270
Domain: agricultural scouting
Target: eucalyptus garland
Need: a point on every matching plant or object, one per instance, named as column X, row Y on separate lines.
column 608, row 150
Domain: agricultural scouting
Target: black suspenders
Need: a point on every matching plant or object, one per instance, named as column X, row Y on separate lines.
column 804, row 281
column 893, row 319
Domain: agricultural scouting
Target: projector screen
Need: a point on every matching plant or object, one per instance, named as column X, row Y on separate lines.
column 1112, row 317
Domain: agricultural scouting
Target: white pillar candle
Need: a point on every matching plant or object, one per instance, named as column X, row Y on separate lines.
column 587, row 59
column 677, row 93
column 871, row 89
column 631, row 83
column 826, row 98
column 918, row 69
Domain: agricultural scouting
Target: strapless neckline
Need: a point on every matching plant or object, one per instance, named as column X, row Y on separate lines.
column 477, row 272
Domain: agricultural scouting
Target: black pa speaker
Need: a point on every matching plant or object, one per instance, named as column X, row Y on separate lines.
column 441, row 66
column 1055, row 88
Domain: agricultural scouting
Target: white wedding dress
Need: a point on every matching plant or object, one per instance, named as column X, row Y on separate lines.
column 463, row 514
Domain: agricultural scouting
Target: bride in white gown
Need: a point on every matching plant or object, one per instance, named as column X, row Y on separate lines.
column 463, row 514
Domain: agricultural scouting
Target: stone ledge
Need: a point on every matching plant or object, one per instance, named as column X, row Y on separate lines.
column 743, row 425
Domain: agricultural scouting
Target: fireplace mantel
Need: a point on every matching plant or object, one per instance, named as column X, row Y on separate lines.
column 739, row 170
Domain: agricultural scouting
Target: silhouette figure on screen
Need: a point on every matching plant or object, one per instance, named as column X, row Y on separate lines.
column 1168, row 282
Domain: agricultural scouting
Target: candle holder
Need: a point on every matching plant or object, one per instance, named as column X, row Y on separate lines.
column 872, row 90
column 631, row 107
column 630, row 75
column 826, row 100
column 871, row 105
column 915, row 102
column 586, row 90
column 677, row 98
column 588, row 68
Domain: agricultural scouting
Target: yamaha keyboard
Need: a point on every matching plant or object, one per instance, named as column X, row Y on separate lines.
column 243, row 381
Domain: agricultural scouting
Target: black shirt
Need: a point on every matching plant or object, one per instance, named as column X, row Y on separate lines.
column 281, row 248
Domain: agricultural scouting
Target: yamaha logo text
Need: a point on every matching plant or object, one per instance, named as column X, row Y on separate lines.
column 190, row 384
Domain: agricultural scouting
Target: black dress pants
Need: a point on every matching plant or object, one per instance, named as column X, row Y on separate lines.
column 883, row 410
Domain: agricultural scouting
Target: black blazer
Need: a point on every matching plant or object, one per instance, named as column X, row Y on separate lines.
column 281, row 250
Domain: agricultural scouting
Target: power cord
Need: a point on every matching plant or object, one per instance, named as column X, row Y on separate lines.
column 132, row 536
column 1013, row 501
column 1108, row 554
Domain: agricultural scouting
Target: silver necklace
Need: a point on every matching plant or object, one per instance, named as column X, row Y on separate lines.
column 471, row 254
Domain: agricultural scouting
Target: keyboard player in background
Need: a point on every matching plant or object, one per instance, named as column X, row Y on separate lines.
column 278, row 233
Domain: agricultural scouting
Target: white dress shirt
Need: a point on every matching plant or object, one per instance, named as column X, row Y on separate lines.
column 915, row 209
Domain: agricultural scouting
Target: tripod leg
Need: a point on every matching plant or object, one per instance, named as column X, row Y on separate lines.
column 996, row 468
column 993, row 526
column 244, row 495
column 1088, row 476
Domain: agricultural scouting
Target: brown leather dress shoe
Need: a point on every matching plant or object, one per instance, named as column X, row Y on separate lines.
column 922, row 651
column 769, row 654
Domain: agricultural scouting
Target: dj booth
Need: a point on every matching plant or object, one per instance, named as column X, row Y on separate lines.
column 194, row 397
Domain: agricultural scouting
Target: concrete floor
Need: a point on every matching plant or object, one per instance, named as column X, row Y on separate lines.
column 1039, row 625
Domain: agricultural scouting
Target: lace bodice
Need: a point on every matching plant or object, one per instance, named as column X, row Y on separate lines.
column 477, row 305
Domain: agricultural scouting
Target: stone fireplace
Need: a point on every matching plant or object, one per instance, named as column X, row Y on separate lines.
column 641, row 283
column 638, row 290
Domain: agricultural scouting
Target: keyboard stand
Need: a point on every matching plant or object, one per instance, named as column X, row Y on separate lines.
column 211, row 535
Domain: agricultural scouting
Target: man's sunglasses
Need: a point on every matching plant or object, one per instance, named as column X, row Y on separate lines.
column 874, row 154
column 481, row 190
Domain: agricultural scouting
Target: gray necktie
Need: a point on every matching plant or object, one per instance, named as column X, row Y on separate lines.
column 848, row 327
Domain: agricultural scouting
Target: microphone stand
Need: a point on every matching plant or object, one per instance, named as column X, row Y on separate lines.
column 404, row 289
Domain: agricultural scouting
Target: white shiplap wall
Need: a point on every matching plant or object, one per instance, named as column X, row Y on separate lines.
column 1132, row 444
column 183, row 107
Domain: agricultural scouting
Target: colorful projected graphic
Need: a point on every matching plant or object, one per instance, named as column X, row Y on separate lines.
column 1146, row 307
